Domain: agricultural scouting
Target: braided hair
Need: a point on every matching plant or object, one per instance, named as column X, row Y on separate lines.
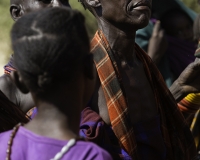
column 49, row 45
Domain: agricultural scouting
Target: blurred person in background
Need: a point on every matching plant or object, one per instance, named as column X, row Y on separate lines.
column 168, row 38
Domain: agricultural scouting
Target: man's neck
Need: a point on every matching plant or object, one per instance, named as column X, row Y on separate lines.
column 121, row 42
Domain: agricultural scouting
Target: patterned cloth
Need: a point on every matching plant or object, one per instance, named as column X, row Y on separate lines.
column 190, row 104
column 176, row 134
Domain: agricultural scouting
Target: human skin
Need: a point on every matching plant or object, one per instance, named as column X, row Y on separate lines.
column 119, row 25
column 157, row 43
column 61, row 95
column 17, row 9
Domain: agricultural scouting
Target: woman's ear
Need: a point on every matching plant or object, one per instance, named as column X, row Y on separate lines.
column 17, row 79
column 16, row 11
column 89, row 66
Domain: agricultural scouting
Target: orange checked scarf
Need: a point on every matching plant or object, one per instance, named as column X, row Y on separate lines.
column 178, row 140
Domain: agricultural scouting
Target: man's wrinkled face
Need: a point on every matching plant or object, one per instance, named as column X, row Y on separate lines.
column 134, row 13
column 32, row 5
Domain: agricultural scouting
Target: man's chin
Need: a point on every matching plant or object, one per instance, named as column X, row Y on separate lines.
column 140, row 21
column 141, row 24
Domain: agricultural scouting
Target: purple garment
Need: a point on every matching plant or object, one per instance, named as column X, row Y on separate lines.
column 180, row 53
column 93, row 128
column 29, row 146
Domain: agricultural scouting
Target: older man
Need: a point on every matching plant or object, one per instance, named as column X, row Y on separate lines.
column 131, row 95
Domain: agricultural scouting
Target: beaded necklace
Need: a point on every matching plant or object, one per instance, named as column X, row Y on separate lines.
column 65, row 148
column 10, row 142
column 58, row 156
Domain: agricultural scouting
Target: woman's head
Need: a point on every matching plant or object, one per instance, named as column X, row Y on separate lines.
column 51, row 48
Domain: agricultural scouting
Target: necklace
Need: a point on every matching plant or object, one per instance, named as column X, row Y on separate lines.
column 58, row 156
column 65, row 148
column 10, row 142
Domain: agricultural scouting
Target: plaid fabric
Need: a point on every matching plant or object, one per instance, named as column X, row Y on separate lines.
column 176, row 134
column 116, row 103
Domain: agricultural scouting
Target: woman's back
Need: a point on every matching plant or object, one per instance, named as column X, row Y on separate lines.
column 30, row 146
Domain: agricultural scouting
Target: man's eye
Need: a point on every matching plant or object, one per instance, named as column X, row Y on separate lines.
column 46, row 1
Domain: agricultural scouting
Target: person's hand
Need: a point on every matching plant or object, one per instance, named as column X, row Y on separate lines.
column 157, row 43
column 187, row 82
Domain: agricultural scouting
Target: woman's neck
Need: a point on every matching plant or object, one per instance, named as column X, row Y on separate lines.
column 54, row 123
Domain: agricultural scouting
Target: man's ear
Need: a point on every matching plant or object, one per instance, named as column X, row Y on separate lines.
column 93, row 3
column 16, row 11
column 17, row 79
column 89, row 66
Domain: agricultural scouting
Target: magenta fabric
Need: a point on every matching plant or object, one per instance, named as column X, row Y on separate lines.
column 29, row 146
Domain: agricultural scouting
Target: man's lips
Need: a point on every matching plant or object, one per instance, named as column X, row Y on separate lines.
column 142, row 8
column 141, row 5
